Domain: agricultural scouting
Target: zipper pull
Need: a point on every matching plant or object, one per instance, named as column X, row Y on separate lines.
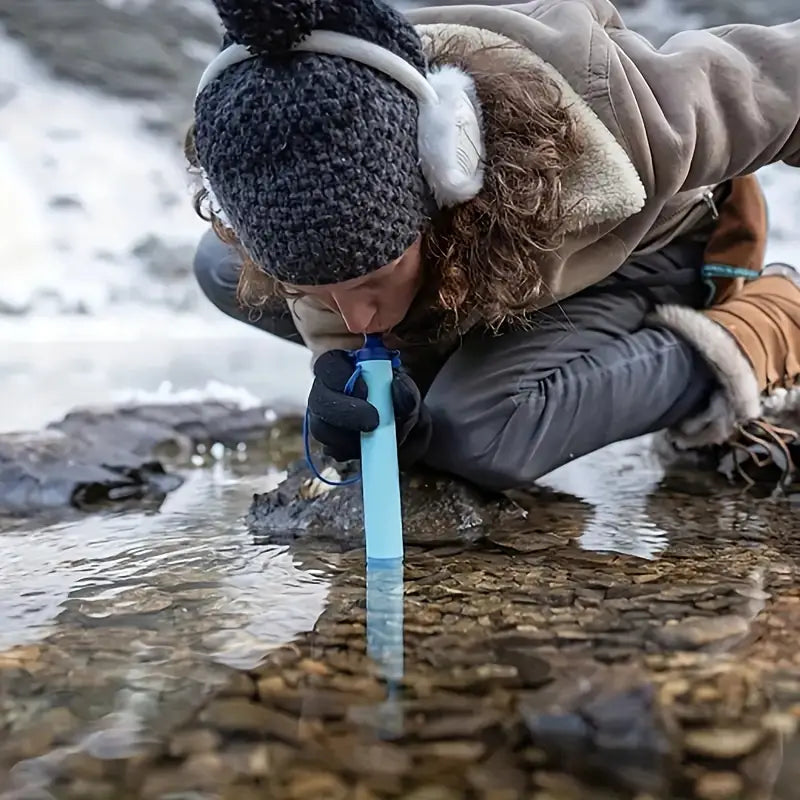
column 708, row 199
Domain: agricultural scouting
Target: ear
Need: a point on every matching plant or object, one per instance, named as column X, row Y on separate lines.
column 451, row 145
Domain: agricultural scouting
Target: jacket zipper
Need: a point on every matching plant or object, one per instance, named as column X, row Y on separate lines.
column 667, row 230
column 708, row 199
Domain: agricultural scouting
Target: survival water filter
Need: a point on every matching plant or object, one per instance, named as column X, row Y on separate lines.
column 380, row 473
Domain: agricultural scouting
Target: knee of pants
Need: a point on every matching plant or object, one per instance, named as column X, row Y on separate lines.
column 216, row 269
column 486, row 443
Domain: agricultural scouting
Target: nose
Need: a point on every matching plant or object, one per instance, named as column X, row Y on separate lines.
column 359, row 313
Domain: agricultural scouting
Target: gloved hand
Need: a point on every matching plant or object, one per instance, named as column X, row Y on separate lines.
column 336, row 419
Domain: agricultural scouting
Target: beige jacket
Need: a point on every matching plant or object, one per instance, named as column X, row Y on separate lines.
column 662, row 126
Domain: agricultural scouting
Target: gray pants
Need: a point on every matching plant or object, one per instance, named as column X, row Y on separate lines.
column 510, row 408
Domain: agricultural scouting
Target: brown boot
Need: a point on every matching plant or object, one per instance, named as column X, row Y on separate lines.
column 736, row 247
column 752, row 342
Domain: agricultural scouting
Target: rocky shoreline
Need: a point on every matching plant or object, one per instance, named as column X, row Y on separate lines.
column 505, row 662
column 100, row 458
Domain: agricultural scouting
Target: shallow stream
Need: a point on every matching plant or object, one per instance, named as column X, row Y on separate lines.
column 627, row 643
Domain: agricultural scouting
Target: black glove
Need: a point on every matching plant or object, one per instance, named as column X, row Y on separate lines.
column 336, row 419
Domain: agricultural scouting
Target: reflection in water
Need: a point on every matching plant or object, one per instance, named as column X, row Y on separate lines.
column 617, row 482
column 385, row 616
column 385, row 635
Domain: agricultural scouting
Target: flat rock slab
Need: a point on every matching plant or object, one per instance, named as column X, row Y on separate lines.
column 171, row 431
column 96, row 456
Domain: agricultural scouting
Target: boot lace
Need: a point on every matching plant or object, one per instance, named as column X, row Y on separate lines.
column 764, row 446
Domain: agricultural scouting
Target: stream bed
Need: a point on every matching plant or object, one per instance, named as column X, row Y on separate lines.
column 639, row 641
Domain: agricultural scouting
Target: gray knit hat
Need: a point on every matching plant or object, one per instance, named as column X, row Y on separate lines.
column 314, row 158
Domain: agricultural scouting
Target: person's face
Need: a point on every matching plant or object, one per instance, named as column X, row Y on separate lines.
column 374, row 303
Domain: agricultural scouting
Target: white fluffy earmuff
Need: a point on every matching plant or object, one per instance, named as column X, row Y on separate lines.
column 449, row 128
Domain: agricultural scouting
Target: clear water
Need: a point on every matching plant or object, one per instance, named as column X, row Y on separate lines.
column 135, row 617
column 122, row 631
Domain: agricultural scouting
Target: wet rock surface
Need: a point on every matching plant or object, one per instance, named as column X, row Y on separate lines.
column 437, row 510
column 100, row 456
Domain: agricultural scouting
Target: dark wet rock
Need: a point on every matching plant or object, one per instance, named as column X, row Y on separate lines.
column 436, row 509
column 533, row 671
column 95, row 457
column 50, row 469
column 608, row 724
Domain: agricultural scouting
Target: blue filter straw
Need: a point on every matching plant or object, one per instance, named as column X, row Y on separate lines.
column 385, row 617
column 380, row 473
column 385, row 638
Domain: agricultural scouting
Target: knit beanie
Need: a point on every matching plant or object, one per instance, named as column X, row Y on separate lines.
column 314, row 158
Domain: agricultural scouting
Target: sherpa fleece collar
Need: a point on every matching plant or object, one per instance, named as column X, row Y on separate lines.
column 603, row 185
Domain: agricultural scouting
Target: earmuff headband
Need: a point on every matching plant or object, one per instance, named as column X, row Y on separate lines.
column 333, row 43
column 449, row 133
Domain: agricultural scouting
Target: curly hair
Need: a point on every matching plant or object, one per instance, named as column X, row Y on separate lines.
column 485, row 252
column 480, row 257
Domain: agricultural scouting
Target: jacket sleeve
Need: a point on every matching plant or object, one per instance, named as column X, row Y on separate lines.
column 714, row 104
column 706, row 106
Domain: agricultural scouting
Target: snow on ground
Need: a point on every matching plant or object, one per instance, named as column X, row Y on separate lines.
column 82, row 182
